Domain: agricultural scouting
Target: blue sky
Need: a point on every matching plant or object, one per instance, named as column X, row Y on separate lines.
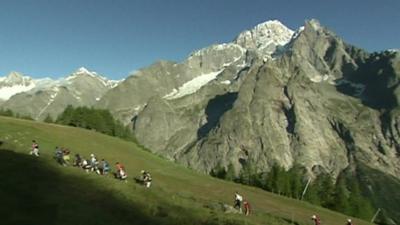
column 114, row 37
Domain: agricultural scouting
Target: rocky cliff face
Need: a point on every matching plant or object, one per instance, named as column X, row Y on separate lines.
column 315, row 101
column 272, row 96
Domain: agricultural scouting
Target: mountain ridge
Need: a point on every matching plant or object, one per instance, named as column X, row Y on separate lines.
column 45, row 96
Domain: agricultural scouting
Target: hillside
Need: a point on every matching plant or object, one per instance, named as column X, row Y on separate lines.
column 38, row 191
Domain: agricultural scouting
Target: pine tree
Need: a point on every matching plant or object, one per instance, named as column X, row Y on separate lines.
column 272, row 179
column 296, row 182
column 326, row 190
column 230, row 173
column 359, row 206
column 341, row 197
column 312, row 195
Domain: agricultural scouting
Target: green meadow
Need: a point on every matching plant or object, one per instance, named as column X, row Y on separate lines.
column 38, row 191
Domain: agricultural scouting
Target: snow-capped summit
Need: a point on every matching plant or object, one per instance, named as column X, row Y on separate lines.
column 14, row 78
column 40, row 97
column 81, row 72
column 265, row 37
column 14, row 83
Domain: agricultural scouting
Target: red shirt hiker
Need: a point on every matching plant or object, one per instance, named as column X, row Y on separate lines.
column 246, row 206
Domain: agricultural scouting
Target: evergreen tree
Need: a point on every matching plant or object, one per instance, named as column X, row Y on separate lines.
column 312, row 195
column 359, row 206
column 248, row 175
column 7, row 112
column 94, row 119
column 341, row 196
column 219, row 172
column 326, row 190
column 296, row 182
column 230, row 173
column 271, row 183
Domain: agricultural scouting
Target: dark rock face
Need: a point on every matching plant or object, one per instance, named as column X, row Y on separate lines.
column 320, row 103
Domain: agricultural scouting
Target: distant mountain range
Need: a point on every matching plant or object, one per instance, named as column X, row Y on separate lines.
column 271, row 96
column 38, row 98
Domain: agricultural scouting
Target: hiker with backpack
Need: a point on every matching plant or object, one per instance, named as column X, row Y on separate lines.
column 238, row 202
column 66, row 157
column 35, row 149
column 77, row 160
column 146, row 177
column 86, row 166
column 104, row 167
column 94, row 164
column 58, row 155
column 316, row 220
column 349, row 222
column 120, row 174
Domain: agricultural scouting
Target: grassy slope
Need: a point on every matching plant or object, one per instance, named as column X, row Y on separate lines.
column 179, row 195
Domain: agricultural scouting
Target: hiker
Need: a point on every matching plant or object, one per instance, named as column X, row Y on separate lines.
column 86, row 166
column 94, row 163
column 77, row 161
column 58, row 155
column 246, row 206
column 104, row 167
column 66, row 157
column 349, row 222
column 35, row 148
column 238, row 201
column 146, row 177
column 120, row 174
column 123, row 175
column 316, row 220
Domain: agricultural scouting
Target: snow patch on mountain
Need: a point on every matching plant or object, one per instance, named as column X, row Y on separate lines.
column 193, row 85
column 298, row 32
column 218, row 48
column 226, row 82
column 51, row 100
column 14, row 83
column 7, row 92
column 319, row 78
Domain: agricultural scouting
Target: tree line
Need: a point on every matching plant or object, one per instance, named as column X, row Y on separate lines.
column 342, row 194
column 100, row 120
column 10, row 113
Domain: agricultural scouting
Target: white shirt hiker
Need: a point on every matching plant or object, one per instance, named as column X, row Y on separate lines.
column 238, row 197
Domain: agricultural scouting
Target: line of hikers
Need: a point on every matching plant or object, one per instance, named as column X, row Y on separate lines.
column 62, row 156
column 102, row 167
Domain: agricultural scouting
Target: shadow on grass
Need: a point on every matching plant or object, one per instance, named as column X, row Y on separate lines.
column 32, row 192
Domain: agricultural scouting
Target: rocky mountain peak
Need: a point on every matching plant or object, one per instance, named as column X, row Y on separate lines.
column 81, row 72
column 265, row 37
column 14, row 78
column 314, row 23
column 14, row 83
